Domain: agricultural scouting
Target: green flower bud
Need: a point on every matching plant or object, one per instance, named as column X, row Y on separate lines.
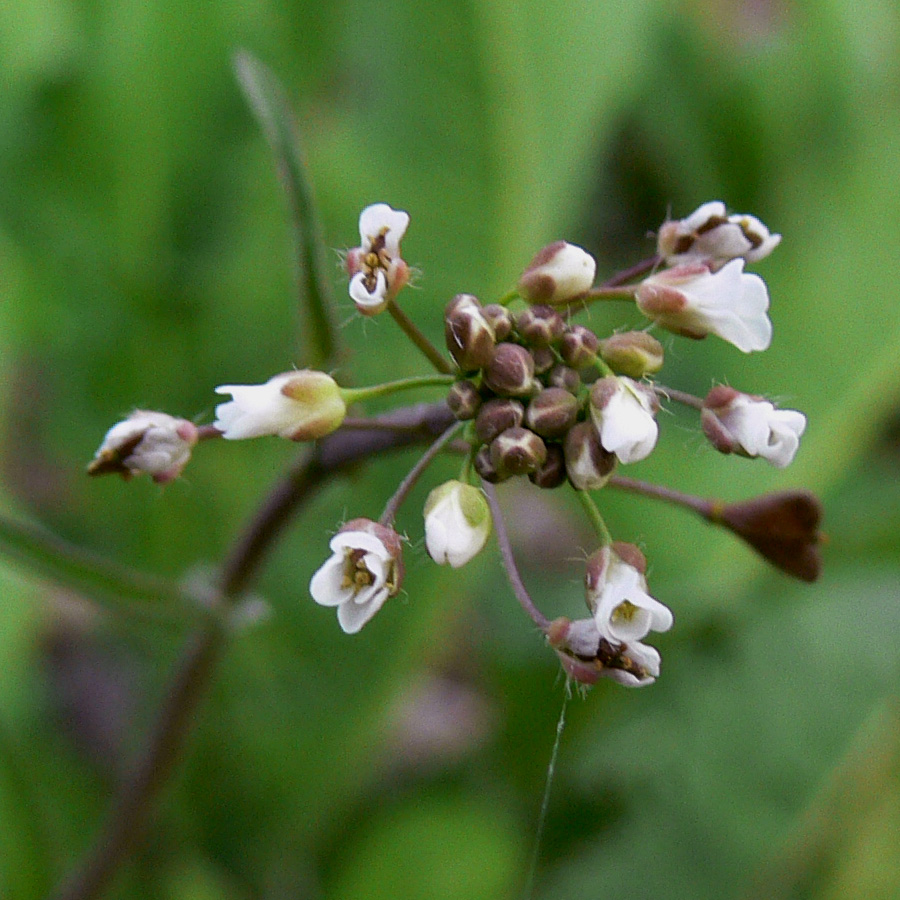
column 632, row 353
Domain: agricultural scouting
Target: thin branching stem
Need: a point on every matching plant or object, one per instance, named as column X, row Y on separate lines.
column 632, row 272
column 509, row 560
column 705, row 508
column 682, row 397
column 411, row 330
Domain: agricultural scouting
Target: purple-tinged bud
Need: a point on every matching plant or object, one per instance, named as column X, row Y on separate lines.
column 551, row 413
column 544, row 360
column 558, row 273
column 518, row 451
column 501, row 319
column 632, row 353
column 469, row 335
column 588, row 465
column 540, row 326
column 495, row 416
column 553, row 472
column 564, row 377
column 782, row 527
column 485, row 467
column 464, row 400
column 510, row 372
column 578, row 347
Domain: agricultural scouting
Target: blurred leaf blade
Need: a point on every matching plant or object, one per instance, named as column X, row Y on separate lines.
column 268, row 100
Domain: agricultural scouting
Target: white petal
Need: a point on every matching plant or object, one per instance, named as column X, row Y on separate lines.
column 325, row 585
column 352, row 616
column 378, row 217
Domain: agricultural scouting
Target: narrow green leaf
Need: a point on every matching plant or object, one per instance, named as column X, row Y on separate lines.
column 269, row 103
column 122, row 590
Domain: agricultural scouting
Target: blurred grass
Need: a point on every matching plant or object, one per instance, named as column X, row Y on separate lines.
column 146, row 257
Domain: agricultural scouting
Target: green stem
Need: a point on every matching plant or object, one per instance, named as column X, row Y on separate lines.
column 509, row 297
column 607, row 293
column 357, row 395
column 682, row 397
column 412, row 332
column 593, row 513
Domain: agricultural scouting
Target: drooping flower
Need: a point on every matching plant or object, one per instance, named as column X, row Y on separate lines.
column 457, row 523
column 558, row 273
column 302, row 406
column 693, row 301
column 623, row 412
column 710, row 236
column 751, row 426
column 377, row 271
column 616, row 594
column 150, row 442
column 366, row 567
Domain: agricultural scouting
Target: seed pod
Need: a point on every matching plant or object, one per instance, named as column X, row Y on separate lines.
column 578, row 347
column 495, row 416
column 510, row 372
column 464, row 400
column 518, row 451
column 551, row 413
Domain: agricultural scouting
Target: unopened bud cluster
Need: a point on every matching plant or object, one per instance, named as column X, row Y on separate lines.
column 531, row 388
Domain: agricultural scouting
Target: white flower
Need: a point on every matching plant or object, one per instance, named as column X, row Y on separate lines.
column 637, row 665
column 457, row 523
column 376, row 268
column 559, row 272
column 623, row 413
column 693, row 301
column 616, row 593
column 709, row 235
column 302, row 406
column 365, row 569
column 751, row 426
column 150, row 442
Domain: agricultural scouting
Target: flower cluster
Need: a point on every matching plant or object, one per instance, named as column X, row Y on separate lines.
column 531, row 392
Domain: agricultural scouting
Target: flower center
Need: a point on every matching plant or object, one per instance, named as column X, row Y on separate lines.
column 624, row 613
column 356, row 574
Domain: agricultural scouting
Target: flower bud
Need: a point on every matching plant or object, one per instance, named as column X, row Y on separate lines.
column 540, row 326
column 486, row 468
column 632, row 353
column 552, row 473
column 551, row 413
column 558, row 273
column 510, row 372
column 564, row 377
column 457, row 523
column 544, row 360
column 469, row 335
column 495, row 416
column 518, row 451
column 782, row 527
column 150, row 442
column 464, row 400
column 751, row 426
column 302, row 406
column 578, row 347
column 500, row 318
column 588, row 465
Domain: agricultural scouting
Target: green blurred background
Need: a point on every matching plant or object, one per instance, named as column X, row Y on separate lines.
column 145, row 258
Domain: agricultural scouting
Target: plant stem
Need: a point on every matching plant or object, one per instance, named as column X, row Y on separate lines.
column 705, row 508
column 593, row 513
column 509, row 561
column 357, row 395
column 394, row 504
column 635, row 271
column 682, row 397
column 131, row 809
column 431, row 353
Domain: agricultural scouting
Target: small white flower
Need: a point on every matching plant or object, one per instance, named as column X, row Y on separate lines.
column 623, row 412
column 616, row 593
column 559, row 272
column 709, row 235
column 638, row 665
column 302, row 406
column 376, row 268
column 693, row 301
column 150, row 442
column 751, row 426
column 457, row 523
column 365, row 569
